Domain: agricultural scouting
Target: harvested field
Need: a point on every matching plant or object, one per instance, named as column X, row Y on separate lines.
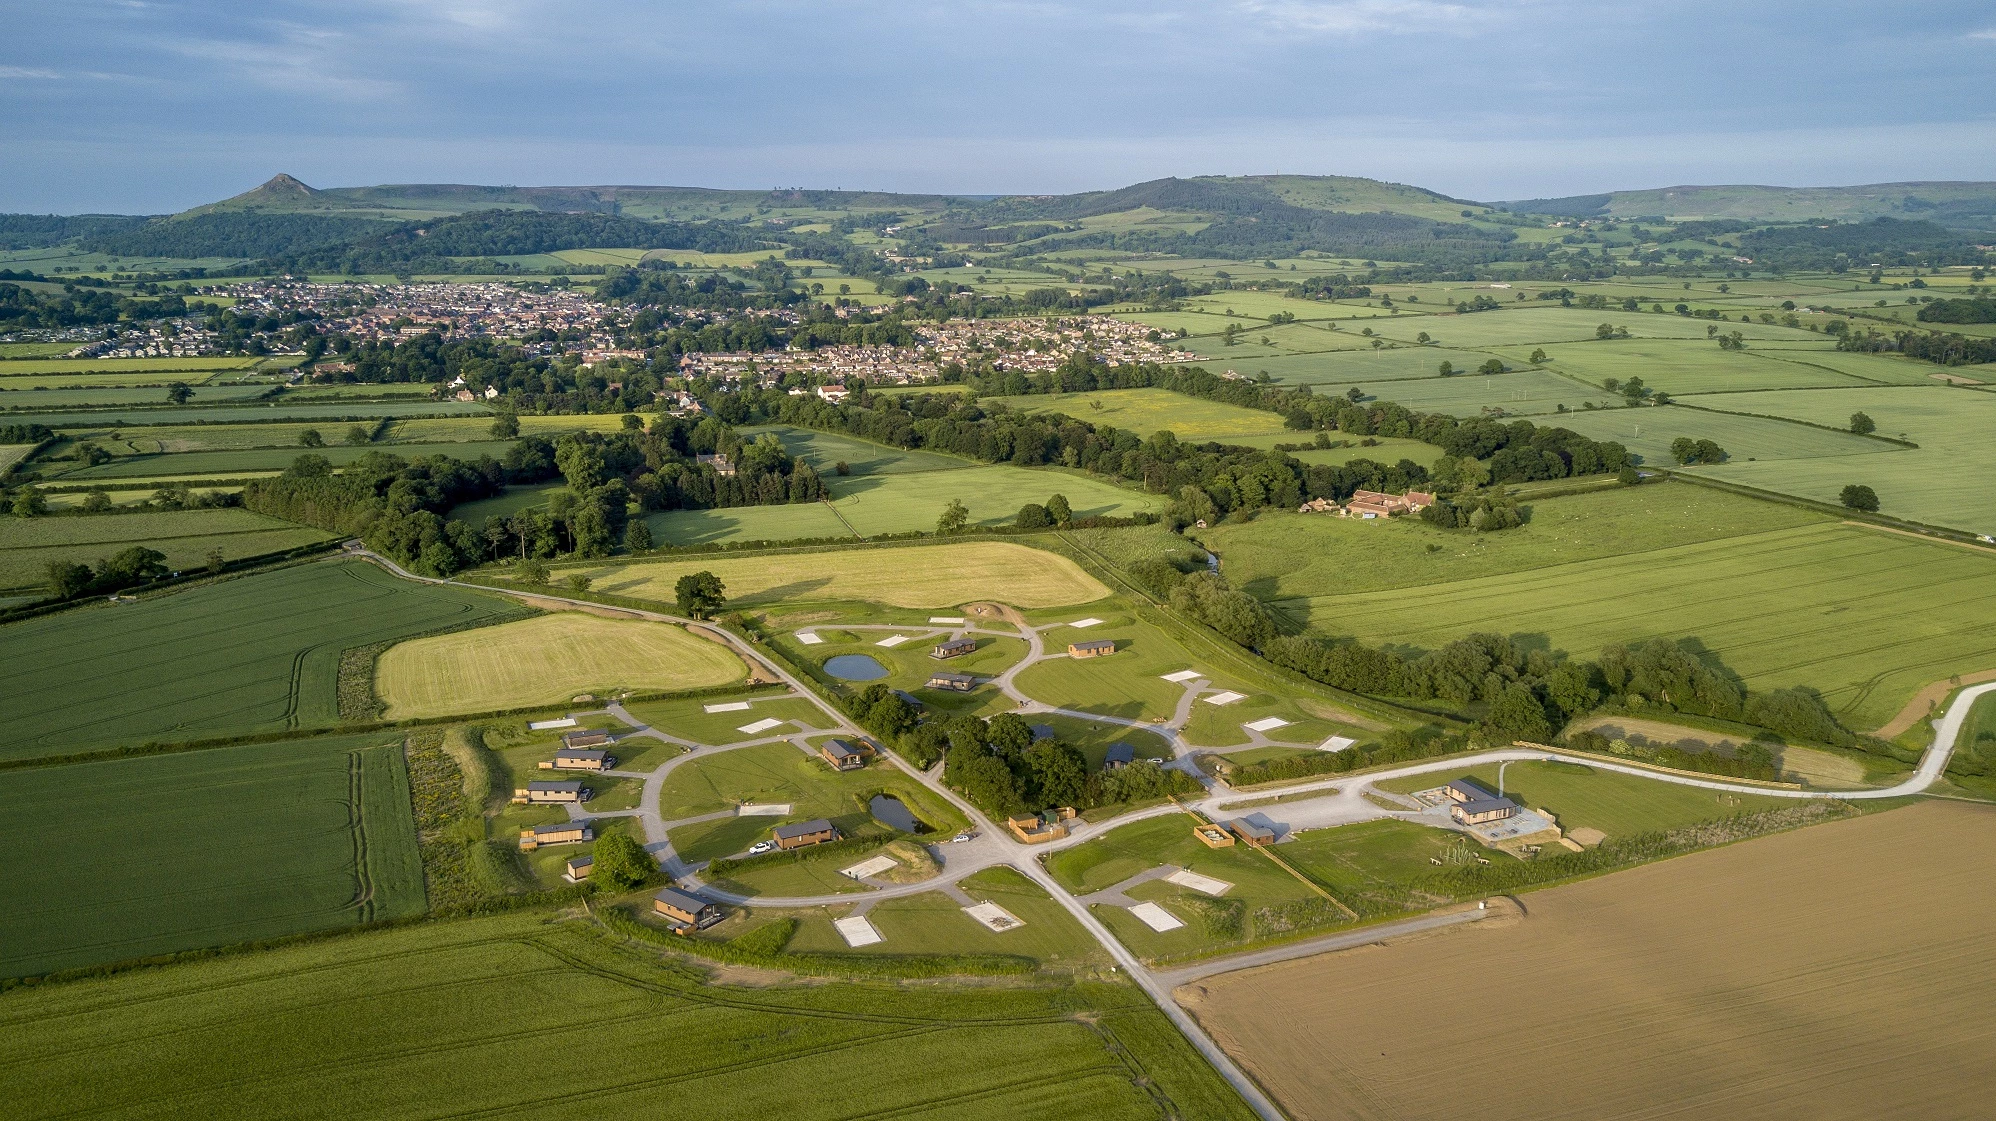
column 186, row 537
column 544, row 660
column 1818, row 974
column 911, row 576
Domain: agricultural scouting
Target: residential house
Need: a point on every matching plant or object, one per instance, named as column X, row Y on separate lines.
column 805, row 834
column 833, row 394
column 718, row 462
column 685, row 910
column 586, row 737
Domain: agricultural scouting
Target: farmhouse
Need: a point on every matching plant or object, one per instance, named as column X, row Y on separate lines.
column 958, row 682
column 541, row 793
column 1120, row 755
column 1099, row 648
column 580, row 759
column 804, row 834
column 1320, row 506
column 954, row 648
column 1374, row 504
column 1472, row 805
column 685, row 911
column 842, row 755
column 586, row 737
column 556, row 833
column 577, row 869
column 718, row 462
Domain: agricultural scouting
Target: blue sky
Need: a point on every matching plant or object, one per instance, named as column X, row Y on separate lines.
column 155, row 105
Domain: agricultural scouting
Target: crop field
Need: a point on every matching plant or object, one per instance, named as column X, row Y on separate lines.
column 546, row 659
column 122, row 365
column 1352, row 367
column 463, row 429
column 899, row 576
column 1866, row 616
column 241, row 462
column 1943, row 482
column 186, row 538
column 1679, row 367
column 150, row 855
column 1739, row 981
column 1144, row 411
column 1468, row 394
column 1512, row 326
column 252, row 654
column 10, row 454
column 25, row 399
column 1289, row 556
column 322, row 412
column 153, row 440
column 155, row 383
column 469, row 1016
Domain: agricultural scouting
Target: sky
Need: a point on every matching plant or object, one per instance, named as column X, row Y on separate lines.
column 152, row 106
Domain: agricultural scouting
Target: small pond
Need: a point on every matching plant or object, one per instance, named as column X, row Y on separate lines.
column 888, row 810
column 855, row 667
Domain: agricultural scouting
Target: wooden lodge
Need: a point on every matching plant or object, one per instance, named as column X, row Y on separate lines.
column 577, row 869
column 954, row 648
column 842, row 755
column 1038, row 829
column 804, row 834
column 1120, row 755
column 954, row 682
column 685, row 911
column 551, row 793
column 1470, row 804
column 580, row 759
column 586, row 737
column 556, row 833
column 1097, row 648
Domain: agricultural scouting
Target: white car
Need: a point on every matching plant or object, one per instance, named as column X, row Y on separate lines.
column 961, row 837
column 1156, row 761
column 761, row 847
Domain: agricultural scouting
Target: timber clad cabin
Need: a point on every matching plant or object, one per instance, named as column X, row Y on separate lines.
column 556, row 833
column 1472, row 805
column 1120, row 755
column 580, row 759
column 586, row 737
column 954, row 648
column 842, row 755
column 578, row 869
column 546, row 793
column 686, row 911
column 956, row 682
column 1099, row 648
column 804, row 834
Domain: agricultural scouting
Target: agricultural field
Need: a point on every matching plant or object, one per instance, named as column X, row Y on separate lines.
column 466, row 1016
column 1283, row 556
column 249, row 654
column 1649, row 431
column 1765, row 993
column 186, row 537
column 545, row 660
column 1352, row 367
column 1524, row 392
column 1145, row 411
column 824, row 451
column 251, row 842
column 1514, row 326
column 10, row 454
column 1678, row 367
column 1866, row 616
column 900, row 576
column 240, row 463
column 1942, row 482
column 1580, row 797
column 27, row 398
column 11, row 367
column 325, row 412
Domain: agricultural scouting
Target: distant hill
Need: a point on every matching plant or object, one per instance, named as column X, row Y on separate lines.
column 1957, row 205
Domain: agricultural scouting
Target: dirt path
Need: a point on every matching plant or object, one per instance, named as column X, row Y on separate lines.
column 1926, row 700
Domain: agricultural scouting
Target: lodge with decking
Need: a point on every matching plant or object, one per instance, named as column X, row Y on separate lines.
column 551, row 793
column 842, row 755
column 804, row 834
column 954, row 648
column 1097, row 648
column 684, row 910
column 580, row 759
column 556, row 833
column 1470, row 804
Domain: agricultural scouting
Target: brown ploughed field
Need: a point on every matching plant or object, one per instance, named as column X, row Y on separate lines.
column 1845, row 971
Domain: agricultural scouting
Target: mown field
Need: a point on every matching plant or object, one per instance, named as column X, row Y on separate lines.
column 477, row 1015
column 196, row 413
column 1942, row 482
column 904, row 576
column 251, row 654
column 1145, row 411
column 1816, row 974
column 249, row 461
column 186, row 537
column 1866, row 616
column 546, row 659
column 150, row 855
column 26, row 398
column 1649, row 431
column 1287, row 555
column 14, row 366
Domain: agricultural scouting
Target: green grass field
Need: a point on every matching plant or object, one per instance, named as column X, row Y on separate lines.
column 909, row 666
column 688, row 719
column 1144, row 411
column 545, row 660
column 121, row 365
column 322, row 412
column 1127, row 683
column 1649, row 431
column 248, row 461
column 1866, row 616
column 26, row 399
column 1513, row 326
column 519, row 1016
column 1582, row 797
column 1289, row 556
column 1943, row 482
column 1685, row 366
column 824, row 451
column 916, row 576
column 151, row 855
column 933, row 922
column 1352, row 367
column 252, row 654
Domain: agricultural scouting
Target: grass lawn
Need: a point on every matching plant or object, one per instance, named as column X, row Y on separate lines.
column 545, row 660
column 1649, row 431
column 186, row 537
column 1144, row 411
column 781, row 772
column 934, row 923
column 1943, row 482
column 1681, row 366
column 908, row 503
column 926, row 576
column 824, row 451
column 1280, row 556
column 150, row 855
column 1867, row 617
column 909, row 666
column 688, row 718
column 1127, row 683
column 1585, row 798
column 475, row 1015
column 238, row 462
column 803, row 521
column 252, row 654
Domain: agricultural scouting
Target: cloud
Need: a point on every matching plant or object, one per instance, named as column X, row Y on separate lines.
column 1353, row 17
column 28, row 72
column 1989, row 34
column 295, row 58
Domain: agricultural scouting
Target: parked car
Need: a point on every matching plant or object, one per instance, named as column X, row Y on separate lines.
column 1157, row 761
column 961, row 837
column 761, row 847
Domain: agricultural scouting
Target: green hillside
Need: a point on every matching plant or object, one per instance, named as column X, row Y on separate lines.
column 1961, row 205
